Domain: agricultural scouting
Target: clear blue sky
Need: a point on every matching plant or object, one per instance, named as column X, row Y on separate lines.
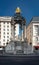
column 29, row 8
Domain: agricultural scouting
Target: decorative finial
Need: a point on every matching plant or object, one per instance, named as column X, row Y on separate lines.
column 17, row 10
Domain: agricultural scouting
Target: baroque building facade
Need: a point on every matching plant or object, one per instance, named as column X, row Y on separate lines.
column 33, row 32
column 5, row 30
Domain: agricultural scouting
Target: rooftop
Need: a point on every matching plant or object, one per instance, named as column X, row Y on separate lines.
column 5, row 18
column 35, row 19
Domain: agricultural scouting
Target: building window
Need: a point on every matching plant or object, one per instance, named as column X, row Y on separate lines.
column 0, row 32
column 0, row 25
column 4, row 36
column 36, row 38
column 4, row 32
column 8, row 26
column 4, row 26
column 7, row 29
column 4, row 29
column 7, row 40
column 4, row 22
column 3, row 43
column 36, row 29
column 7, row 36
column 8, row 33
column 0, row 36
column 0, row 28
column 7, row 22
column 0, row 41
column 4, row 40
